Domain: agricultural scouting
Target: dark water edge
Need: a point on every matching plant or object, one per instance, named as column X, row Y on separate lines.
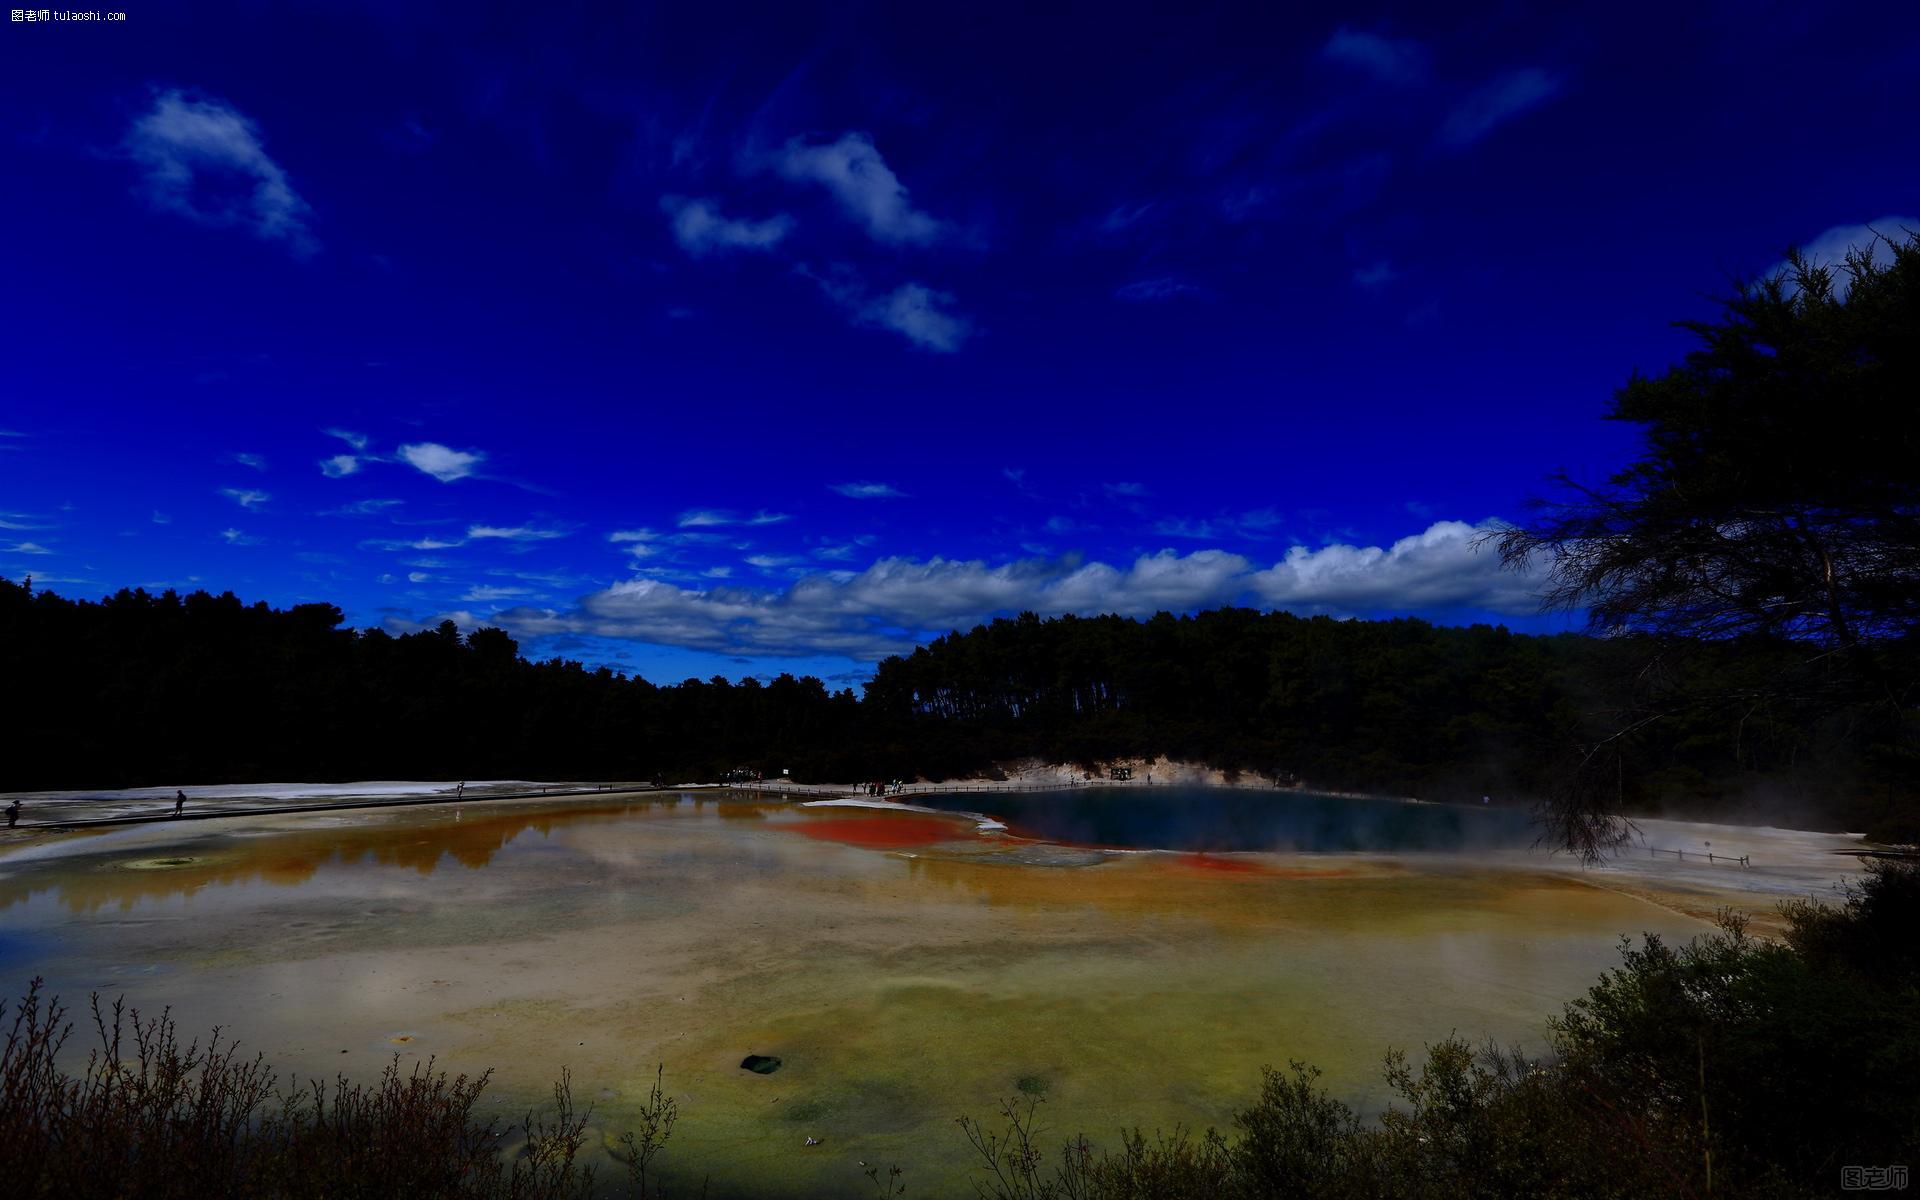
column 1225, row 819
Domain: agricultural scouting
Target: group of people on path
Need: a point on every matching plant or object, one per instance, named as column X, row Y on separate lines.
column 883, row 789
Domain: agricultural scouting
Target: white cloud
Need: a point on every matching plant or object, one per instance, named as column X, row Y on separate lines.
column 867, row 189
column 700, row 228
column 696, row 518
column 339, row 466
column 246, row 497
column 486, row 592
column 250, row 460
column 418, row 577
column 1444, row 566
column 1830, row 248
column 442, row 462
column 358, row 441
column 1496, row 103
column 633, row 535
column 898, row 602
column 25, row 548
column 867, row 491
column 160, row 518
column 514, row 533
column 236, row 538
column 205, row 161
column 1390, row 60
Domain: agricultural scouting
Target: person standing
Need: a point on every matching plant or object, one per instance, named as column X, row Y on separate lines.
column 13, row 813
column 179, row 801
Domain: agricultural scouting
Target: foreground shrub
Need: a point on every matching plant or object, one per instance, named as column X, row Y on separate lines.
column 151, row 1118
column 1727, row 1067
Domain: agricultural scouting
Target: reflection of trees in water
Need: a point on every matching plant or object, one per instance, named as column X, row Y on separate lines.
column 291, row 858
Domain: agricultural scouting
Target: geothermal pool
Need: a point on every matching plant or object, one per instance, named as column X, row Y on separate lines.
column 906, row 966
column 1221, row 819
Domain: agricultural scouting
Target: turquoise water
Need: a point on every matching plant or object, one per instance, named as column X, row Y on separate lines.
column 1224, row 819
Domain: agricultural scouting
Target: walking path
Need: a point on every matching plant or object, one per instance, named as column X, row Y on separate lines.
column 210, row 814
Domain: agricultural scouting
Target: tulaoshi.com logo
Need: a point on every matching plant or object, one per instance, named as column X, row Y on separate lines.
column 37, row 15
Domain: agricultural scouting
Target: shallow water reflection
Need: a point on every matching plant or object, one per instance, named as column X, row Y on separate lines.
column 96, row 876
column 905, row 967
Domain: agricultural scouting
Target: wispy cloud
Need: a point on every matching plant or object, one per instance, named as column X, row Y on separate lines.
column 700, row 229
column 867, row 491
column 921, row 315
column 362, row 508
column 246, row 498
column 340, row 466
column 1248, row 526
column 442, row 462
column 1390, row 60
column 205, row 161
column 250, row 460
column 235, row 537
column 485, row 592
column 913, row 310
column 866, row 188
column 1164, row 288
column 426, row 543
column 511, row 533
column 1376, row 275
column 633, row 535
column 697, row 518
column 25, row 548
column 1497, row 103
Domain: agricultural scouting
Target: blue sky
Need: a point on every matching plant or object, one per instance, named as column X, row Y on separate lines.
column 780, row 338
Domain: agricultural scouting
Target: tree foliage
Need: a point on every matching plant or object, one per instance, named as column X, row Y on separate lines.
column 1775, row 498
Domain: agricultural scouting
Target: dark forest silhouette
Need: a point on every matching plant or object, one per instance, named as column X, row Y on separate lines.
column 144, row 689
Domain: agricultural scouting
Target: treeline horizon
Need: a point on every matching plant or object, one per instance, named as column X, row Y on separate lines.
column 143, row 689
